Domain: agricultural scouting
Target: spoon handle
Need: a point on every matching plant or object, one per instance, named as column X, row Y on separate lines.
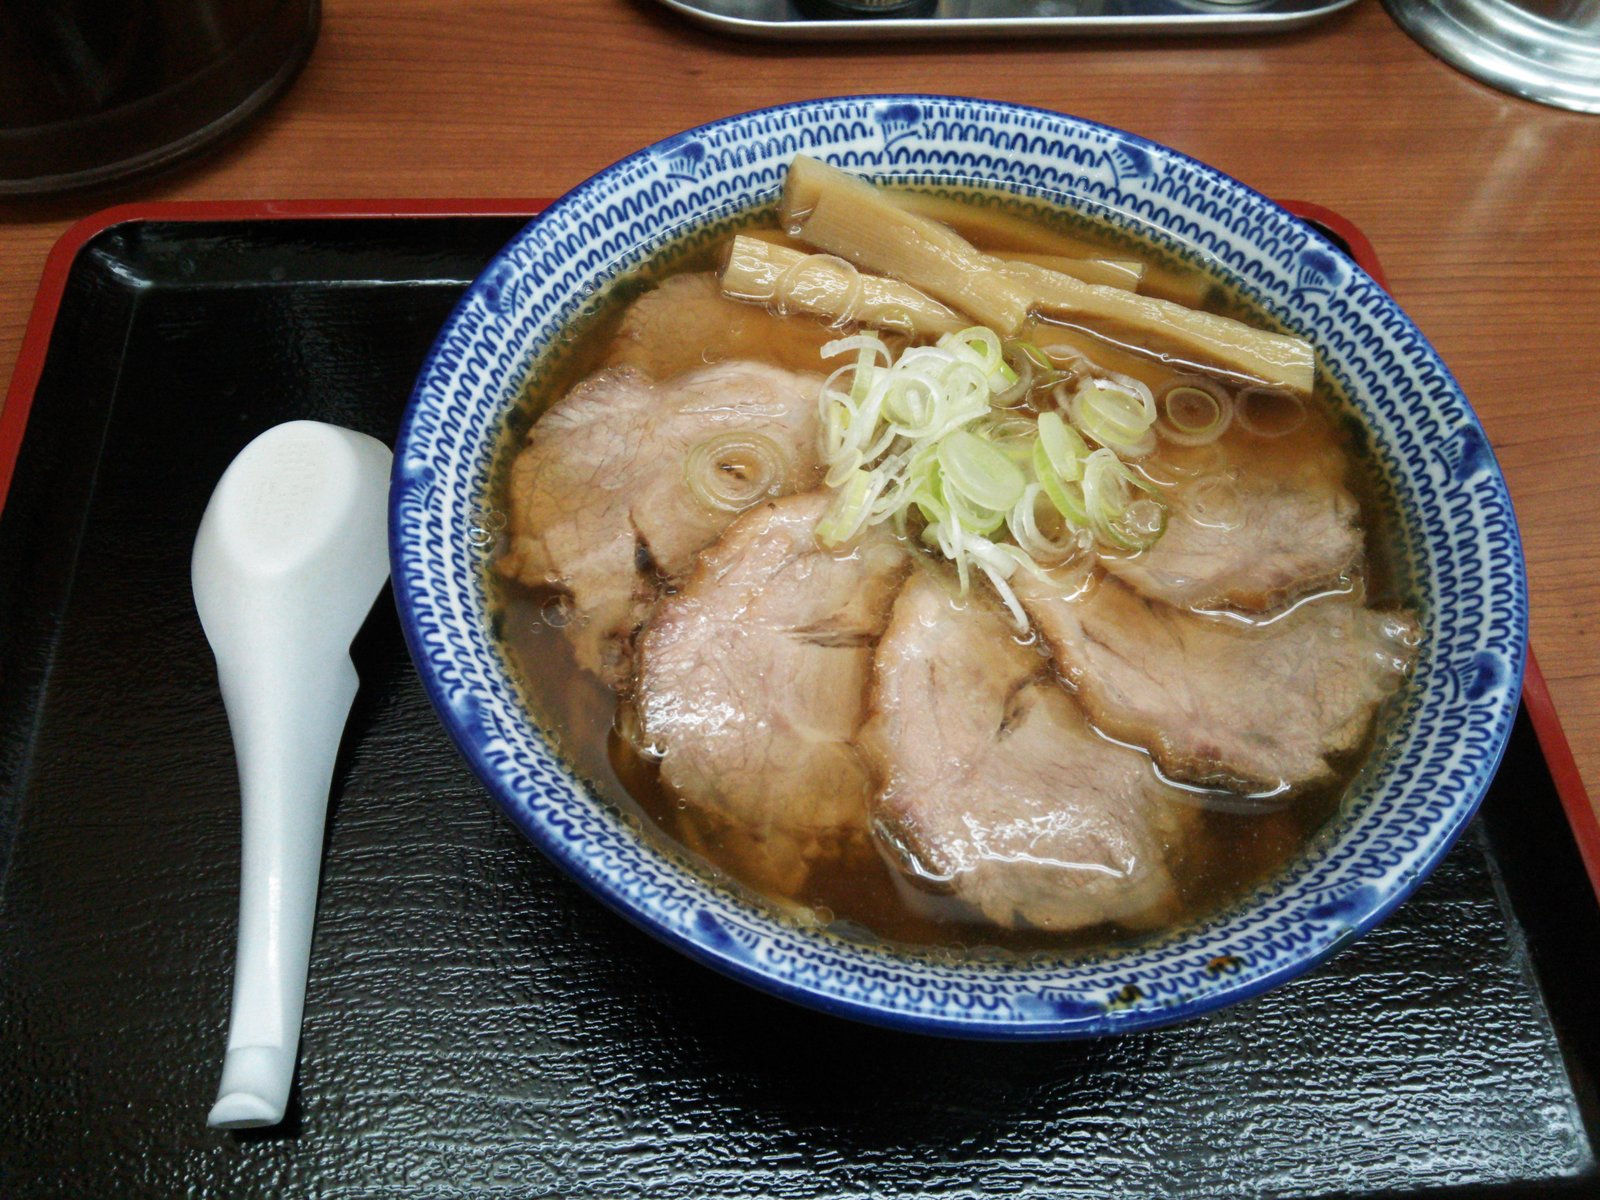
column 286, row 729
column 285, row 768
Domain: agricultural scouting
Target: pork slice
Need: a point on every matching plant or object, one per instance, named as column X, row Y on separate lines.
column 1217, row 701
column 686, row 322
column 599, row 506
column 1250, row 534
column 752, row 682
column 993, row 785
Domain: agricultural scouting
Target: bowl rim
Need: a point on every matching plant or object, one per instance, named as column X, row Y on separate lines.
column 598, row 884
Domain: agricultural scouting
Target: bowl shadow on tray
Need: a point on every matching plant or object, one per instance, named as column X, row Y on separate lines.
column 863, row 1090
column 460, row 978
column 754, row 1051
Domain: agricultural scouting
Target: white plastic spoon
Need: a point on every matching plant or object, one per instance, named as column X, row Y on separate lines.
column 291, row 553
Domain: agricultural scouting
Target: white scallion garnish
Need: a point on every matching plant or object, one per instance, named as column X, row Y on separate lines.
column 729, row 472
column 933, row 432
column 1195, row 412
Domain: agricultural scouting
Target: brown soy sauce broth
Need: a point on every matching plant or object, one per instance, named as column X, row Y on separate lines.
column 1221, row 857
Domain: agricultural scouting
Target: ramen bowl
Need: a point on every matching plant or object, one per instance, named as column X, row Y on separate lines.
column 1448, row 502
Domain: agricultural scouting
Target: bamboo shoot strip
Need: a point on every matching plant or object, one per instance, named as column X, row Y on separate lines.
column 767, row 273
column 849, row 217
column 775, row 237
column 995, row 228
column 1009, row 236
column 1273, row 358
column 1188, row 290
column 1113, row 272
column 1067, row 255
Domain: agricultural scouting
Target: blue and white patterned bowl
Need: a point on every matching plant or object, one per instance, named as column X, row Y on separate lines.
column 1407, row 807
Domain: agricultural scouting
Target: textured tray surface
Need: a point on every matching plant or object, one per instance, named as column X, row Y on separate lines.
column 474, row 1023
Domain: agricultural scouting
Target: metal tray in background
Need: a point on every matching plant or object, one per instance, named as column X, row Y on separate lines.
column 798, row 20
column 476, row 1025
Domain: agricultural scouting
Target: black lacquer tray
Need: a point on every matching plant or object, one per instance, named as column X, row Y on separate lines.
column 476, row 1025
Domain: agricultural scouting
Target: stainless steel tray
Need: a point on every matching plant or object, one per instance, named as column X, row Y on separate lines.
column 788, row 20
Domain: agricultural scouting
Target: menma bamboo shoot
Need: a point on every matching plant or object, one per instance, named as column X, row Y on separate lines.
column 768, row 273
column 848, row 217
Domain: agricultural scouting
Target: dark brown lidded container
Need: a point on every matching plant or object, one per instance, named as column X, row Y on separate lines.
column 92, row 92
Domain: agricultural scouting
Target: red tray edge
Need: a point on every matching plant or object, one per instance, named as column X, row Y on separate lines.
column 58, row 265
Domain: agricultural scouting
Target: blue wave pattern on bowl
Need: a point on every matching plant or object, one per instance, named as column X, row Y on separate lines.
column 1409, row 803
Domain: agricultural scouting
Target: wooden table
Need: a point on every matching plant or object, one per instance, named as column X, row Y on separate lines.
column 1484, row 209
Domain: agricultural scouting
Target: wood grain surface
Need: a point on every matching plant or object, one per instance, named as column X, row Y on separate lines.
column 1482, row 207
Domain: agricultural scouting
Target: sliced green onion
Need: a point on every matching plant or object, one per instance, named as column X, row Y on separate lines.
column 1066, row 495
column 1141, row 526
column 979, row 473
column 1013, row 436
column 972, row 518
column 870, row 343
column 1062, row 446
column 844, row 466
column 1194, row 412
column 729, row 472
column 1116, row 514
column 979, row 346
column 1023, row 522
column 928, row 433
column 1032, row 353
column 1008, row 427
column 1116, row 414
column 1269, row 412
column 870, row 350
column 911, row 402
column 1000, row 563
column 848, row 512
